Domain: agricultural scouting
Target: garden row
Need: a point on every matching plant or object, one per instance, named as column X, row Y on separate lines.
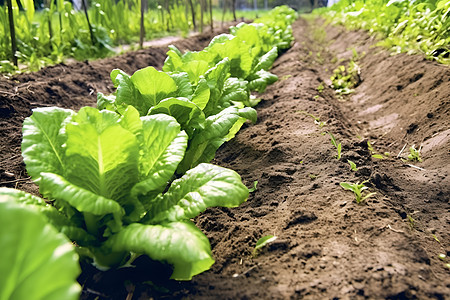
column 125, row 179
column 407, row 26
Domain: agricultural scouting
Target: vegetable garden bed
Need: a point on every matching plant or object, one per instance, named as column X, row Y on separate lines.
column 327, row 246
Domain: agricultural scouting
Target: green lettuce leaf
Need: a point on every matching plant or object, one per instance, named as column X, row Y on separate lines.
column 181, row 244
column 187, row 113
column 205, row 143
column 201, row 187
column 33, row 252
column 260, row 80
column 95, row 160
column 43, row 139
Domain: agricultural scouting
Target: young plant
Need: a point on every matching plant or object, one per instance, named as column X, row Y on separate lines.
column 352, row 165
column 358, row 189
column 374, row 153
column 316, row 119
column 263, row 242
column 414, row 154
column 254, row 187
column 110, row 178
column 344, row 79
column 335, row 144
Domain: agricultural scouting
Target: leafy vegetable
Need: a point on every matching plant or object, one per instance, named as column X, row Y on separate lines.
column 33, row 252
column 110, row 177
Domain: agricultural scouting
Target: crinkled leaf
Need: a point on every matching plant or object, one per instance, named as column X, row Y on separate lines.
column 187, row 114
column 81, row 199
column 181, row 244
column 204, row 186
column 201, row 94
column 215, row 78
column 164, row 145
column 96, row 160
column 266, row 61
column 43, row 136
column 127, row 93
column 205, row 143
column 183, row 83
column 245, row 114
column 260, row 80
column 106, row 102
column 235, row 89
column 34, row 254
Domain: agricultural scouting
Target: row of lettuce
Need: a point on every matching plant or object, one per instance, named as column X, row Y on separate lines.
column 126, row 178
column 420, row 26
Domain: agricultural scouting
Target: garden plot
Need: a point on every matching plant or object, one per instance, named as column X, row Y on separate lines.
column 327, row 245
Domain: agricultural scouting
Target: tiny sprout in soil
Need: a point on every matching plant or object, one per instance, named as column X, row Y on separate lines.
column 335, row 144
column 357, row 189
column 352, row 165
column 414, row 154
column 320, row 88
column 374, row 153
column 254, row 188
column 263, row 242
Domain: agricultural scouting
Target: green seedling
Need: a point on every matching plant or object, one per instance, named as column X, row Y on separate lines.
column 335, row 144
column 320, row 88
column 412, row 222
column 414, row 154
column 437, row 240
column 286, row 77
column 316, row 119
column 374, row 153
column 254, row 188
column 263, row 242
column 352, row 165
column 357, row 189
column 312, row 176
column 442, row 256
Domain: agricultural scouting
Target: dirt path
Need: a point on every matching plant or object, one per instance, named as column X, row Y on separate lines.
column 328, row 247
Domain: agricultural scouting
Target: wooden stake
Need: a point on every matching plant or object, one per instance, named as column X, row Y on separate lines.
column 12, row 32
column 93, row 40
column 142, row 34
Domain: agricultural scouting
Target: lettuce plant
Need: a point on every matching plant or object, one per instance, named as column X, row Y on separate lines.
column 210, row 113
column 110, row 179
column 37, row 261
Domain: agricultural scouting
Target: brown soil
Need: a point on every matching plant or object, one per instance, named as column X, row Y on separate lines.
column 328, row 247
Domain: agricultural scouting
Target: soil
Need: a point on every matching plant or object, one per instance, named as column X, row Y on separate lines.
column 327, row 246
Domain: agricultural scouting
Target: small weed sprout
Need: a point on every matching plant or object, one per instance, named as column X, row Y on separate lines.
column 263, row 242
column 352, row 165
column 254, row 188
column 374, row 153
column 357, row 189
column 335, row 144
column 320, row 88
column 412, row 222
column 414, row 154
column 316, row 119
